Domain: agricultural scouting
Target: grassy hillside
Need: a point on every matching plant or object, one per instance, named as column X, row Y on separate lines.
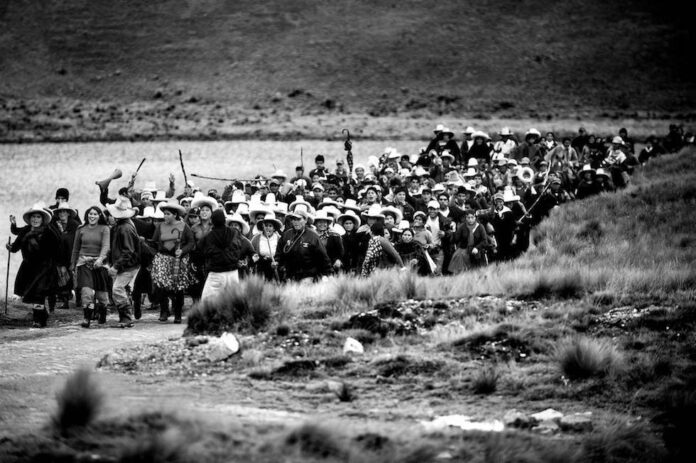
column 505, row 57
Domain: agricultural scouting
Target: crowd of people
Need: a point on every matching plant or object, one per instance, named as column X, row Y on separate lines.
column 451, row 207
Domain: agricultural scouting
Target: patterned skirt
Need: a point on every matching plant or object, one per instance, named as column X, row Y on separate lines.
column 172, row 274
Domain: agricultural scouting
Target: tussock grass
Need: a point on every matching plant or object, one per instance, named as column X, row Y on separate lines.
column 168, row 446
column 79, row 402
column 315, row 441
column 485, row 381
column 621, row 442
column 582, row 358
column 245, row 307
column 520, row 448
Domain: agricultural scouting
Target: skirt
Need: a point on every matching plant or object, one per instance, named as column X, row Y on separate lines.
column 96, row 278
column 172, row 274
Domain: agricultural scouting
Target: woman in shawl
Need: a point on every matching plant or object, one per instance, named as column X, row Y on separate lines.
column 380, row 252
column 412, row 252
column 36, row 278
column 471, row 241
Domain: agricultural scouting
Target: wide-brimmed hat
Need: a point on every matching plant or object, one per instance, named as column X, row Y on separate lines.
column 439, row 128
column 150, row 212
column 509, row 196
column 65, row 207
column 398, row 215
column 269, row 218
column 299, row 199
column 480, row 134
column 602, row 173
column 159, row 196
column 238, row 196
column 173, row 206
column 257, row 207
column 326, row 202
column 279, row 174
column 505, row 132
column 200, row 200
column 439, row 188
column 302, row 211
column 401, row 226
column 499, row 196
column 587, row 168
column 374, row 211
column 280, row 208
column 420, row 172
column 270, row 200
column 351, row 205
column 150, row 186
column 349, row 215
column 237, row 218
column 447, row 130
column 532, row 131
column 471, row 172
column 122, row 208
column 333, row 211
column 38, row 208
column 472, row 162
column 524, row 161
column 433, row 204
column 323, row 215
column 447, row 154
column 469, row 130
column 617, row 140
column 188, row 199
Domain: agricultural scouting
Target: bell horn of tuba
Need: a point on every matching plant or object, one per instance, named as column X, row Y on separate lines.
column 526, row 174
column 104, row 184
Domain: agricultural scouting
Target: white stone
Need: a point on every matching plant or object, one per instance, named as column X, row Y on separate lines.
column 230, row 341
column 354, row 346
column 219, row 349
column 548, row 415
column 463, row 422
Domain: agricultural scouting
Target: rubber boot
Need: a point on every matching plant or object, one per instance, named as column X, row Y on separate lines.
column 164, row 309
column 137, row 304
column 101, row 310
column 88, row 316
column 178, row 306
column 124, row 318
column 40, row 317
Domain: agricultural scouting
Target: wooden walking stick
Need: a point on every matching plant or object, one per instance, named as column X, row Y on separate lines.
column 181, row 160
column 348, row 146
column 7, row 277
column 132, row 180
column 273, row 261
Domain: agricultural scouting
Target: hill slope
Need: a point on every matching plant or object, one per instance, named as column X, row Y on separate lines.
column 506, row 57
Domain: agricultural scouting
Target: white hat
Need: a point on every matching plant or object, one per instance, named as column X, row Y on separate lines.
column 279, row 174
column 65, row 207
column 505, row 131
column 447, row 154
column 508, row 196
column 280, row 208
column 447, row 130
column 470, row 172
column 351, row 204
column 149, row 186
column 398, row 215
column 587, row 168
column 317, row 186
column 403, row 225
column 372, row 161
column 172, row 205
column 617, row 140
column 200, row 200
column 433, row 204
column 472, row 162
column 438, row 188
column 469, row 130
column 269, row 218
column 481, row 134
column 159, row 196
column 323, row 215
column 121, row 209
column 257, row 207
column 237, row 218
column 439, row 128
column 333, row 211
column 299, row 199
column 38, row 208
column 349, row 215
column 532, row 131
column 375, row 211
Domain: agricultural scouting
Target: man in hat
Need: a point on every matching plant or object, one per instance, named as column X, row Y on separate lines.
column 529, row 148
column 125, row 258
column 467, row 143
column 300, row 252
column 442, row 229
column 503, row 222
column 65, row 225
column 505, row 146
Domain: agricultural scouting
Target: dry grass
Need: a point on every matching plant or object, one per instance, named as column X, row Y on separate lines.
column 485, row 380
column 248, row 306
column 79, row 402
column 582, row 358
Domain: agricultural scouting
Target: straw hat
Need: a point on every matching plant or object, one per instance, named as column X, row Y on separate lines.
column 398, row 215
column 173, row 206
column 280, row 208
column 480, row 134
column 447, row 154
column 236, row 218
column 121, row 209
column 470, row 172
column 188, row 199
column 65, row 207
column 433, row 204
column 299, row 200
column 257, row 207
column 349, row 215
column 505, row 132
column 326, row 202
column 159, row 196
column 269, row 218
column 351, row 205
column 509, row 197
column 439, row 128
column 37, row 208
column 532, row 131
column 301, row 211
column 472, row 162
column 332, row 211
column 279, row 174
column 199, row 200
column 375, row 212
column 587, row 168
column 602, row 173
column 270, row 200
column 323, row 215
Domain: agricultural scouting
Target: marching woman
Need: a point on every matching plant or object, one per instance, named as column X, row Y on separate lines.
column 36, row 278
column 300, row 252
column 171, row 269
column 65, row 225
column 412, row 252
column 265, row 245
column 220, row 250
column 205, row 205
column 380, row 252
column 331, row 240
column 89, row 253
column 471, row 240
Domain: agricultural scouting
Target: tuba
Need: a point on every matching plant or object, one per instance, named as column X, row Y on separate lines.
column 526, row 174
column 104, row 184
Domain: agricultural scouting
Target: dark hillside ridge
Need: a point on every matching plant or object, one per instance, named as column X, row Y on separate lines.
column 508, row 57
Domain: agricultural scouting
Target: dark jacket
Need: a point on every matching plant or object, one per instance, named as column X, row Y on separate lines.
column 480, row 242
column 302, row 255
column 221, row 249
column 37, row 276
column 125, row 246
column 354, row 249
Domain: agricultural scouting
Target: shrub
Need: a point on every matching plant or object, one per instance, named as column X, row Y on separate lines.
column 79, row 402
column 244, row 307
column 582, row 358
column 485, row 381
column 410, row 287
column 315, row 441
